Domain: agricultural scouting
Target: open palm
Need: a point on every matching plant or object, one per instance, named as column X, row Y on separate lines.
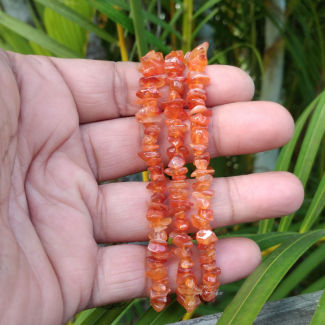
column 65, row 126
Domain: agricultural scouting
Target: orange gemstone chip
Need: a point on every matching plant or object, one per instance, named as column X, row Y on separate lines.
column 152, row 67
column 199, row 117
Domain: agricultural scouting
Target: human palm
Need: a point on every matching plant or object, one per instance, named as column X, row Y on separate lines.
column 67, row 125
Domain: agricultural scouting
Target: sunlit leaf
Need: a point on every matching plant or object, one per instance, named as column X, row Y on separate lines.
column 74, row 16
column 36, row 36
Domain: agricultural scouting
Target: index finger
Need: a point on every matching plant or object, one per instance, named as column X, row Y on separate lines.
column 106, row 90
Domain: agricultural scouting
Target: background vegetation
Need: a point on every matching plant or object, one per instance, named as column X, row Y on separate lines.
column 281, row 45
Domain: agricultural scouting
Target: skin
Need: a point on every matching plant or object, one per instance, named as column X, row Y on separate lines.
column 66, row 125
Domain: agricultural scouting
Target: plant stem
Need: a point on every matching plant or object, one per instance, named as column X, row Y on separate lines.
column 172, row 13
column 187, row 25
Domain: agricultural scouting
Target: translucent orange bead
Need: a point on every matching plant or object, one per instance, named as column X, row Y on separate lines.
column 206, row 237
column 209, row 266
column 176, row 171
column 157, row 81
column 194, row 77
column 200, row 119
column 181, row 224
column 186, row 263
column 171, row 151
column 157, row 274
column 182, row 252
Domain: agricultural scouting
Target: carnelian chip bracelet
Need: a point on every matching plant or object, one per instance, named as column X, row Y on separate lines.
column 199, row 117
column 152, row 66
column 187, row 290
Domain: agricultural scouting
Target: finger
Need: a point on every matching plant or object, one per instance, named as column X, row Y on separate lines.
column 121, row 210
column 235, row 129
column 120, row 269
column 106, row 90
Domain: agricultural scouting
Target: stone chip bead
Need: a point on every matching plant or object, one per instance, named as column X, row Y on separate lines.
column 152, row 67
column 199, row 117
column 187, row 291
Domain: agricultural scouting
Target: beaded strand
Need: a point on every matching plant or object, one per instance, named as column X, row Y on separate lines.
column 187, row 290
column 199, row 117
column 152, row 67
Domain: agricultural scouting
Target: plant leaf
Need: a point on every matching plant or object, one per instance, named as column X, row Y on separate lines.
column 5, row 46
column 90, row 317
column 258, row 287
column 283, row 162
column 299, row 273
column 173, row 313
column 138, row 23
column 255, row 50
column 315, row 286
column 36, row 36
column 265, row 241
column 308, row 151
column 319, row 315
column 119, row 18
column 204, row 21
column 16, row 42
column 316, row 207
column 74, row 16
column 205, row 7
column 147, row 15
column 64, row 30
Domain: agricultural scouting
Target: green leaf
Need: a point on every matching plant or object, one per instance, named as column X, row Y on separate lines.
column 204, row 21
column 162, row 23
column 299, row 273
column 90, row 317
column 171, row 23
column 36, row 36
column 117, row 319
column 315, row 286
column 308, row 151
column 77, row 18
column 316, row 207
column 173, row 313
column 119, row 18
column 106, row 315
column 147, row 15
column 205, row 7
column 64, row 30
column 39, row 50
column 319, row 315
column 255, row 50
column 283, row 162
column 5, row 46
column 16, row 42
column 138, row 23
column 258, row 287
column 265, row 241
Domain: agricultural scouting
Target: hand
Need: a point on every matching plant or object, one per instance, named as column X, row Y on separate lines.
column 67, row 125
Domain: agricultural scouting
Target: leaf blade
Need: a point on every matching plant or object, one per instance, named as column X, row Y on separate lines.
column 36, row 36
column 257, row 288
column 316, row 207
column 283, row 162
column 308, row 151
column 77, row 18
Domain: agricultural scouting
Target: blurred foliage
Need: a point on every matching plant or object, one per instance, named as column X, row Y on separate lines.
column 236, row 33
